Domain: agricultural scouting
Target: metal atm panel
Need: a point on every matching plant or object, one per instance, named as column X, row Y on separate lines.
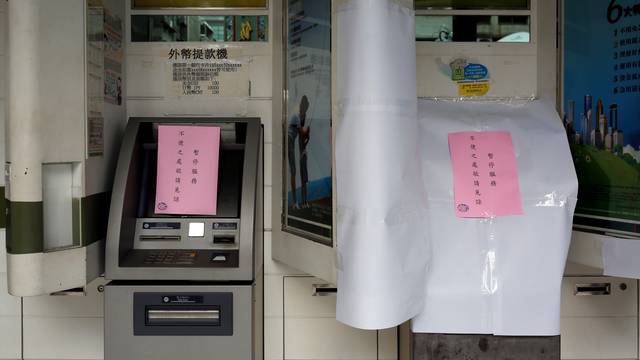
column 128, row 336
column 140, row 244
column 181, row 290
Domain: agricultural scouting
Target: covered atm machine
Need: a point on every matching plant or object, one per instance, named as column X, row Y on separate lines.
column 186, row 286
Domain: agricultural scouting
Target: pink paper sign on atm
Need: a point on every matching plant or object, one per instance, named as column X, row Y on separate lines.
column 485, row 174
column 187, row 177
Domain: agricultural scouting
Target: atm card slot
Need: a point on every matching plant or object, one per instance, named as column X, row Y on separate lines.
column 224, row 239
column 161, row 225
column 183, row 313
column 159, row 237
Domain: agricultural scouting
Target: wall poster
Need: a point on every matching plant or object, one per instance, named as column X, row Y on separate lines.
column 602, row 107
column 113, row 57
column 95, row 79
column 307, row 121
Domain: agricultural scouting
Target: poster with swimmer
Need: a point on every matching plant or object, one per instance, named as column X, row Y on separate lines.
column 307, row 141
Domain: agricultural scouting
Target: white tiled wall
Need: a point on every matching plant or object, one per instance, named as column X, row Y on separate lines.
column 274, row 274
column 600, row 326
column 64, row 327
column 310, row 328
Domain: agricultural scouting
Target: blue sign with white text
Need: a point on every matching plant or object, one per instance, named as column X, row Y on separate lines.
column 475, row 72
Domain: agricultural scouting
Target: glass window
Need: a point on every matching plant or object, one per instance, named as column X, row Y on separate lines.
column 192, row 28
column 471, row 28
column 155, row 4
column 472, row 4
column 307, row 174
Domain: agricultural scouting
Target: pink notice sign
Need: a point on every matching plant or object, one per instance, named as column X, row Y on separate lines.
column 187, row 181
column 485, row 174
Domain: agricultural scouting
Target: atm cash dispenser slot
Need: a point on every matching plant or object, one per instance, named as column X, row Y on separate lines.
column 188, row 315
column 183, row 314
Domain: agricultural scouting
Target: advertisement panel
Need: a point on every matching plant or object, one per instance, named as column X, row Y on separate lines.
column 602, row 111
column 308, row 155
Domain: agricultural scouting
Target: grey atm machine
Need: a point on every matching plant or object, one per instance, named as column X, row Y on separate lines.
column 178, row 292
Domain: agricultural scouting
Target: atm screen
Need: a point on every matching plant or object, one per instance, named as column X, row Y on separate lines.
column 226, row 193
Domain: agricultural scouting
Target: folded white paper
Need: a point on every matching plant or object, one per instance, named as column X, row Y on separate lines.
column 381, row 239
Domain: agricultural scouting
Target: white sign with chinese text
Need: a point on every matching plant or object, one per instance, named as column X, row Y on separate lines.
column 206, row 72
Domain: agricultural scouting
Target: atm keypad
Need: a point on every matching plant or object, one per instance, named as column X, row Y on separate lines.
column 169, row 257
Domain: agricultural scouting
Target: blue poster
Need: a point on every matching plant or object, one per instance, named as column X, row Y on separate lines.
column 602, row 111
column 308, row 204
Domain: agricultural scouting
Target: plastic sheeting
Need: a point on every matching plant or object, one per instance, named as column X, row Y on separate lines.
column 499, row 275
column 382, row 250
column 620, row 257
column 402, row 252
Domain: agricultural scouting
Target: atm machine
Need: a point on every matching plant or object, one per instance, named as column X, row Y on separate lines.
column 186, row 286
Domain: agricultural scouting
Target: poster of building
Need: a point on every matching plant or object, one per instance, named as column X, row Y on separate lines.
column 602, row 111
column 308, row 155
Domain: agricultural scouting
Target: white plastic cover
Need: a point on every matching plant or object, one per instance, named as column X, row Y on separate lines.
column 382, row 250
column 501, row 275
column 620, row 257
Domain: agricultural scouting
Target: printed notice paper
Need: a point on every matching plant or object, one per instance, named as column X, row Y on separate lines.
column 187, row 178
column 485, row 174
